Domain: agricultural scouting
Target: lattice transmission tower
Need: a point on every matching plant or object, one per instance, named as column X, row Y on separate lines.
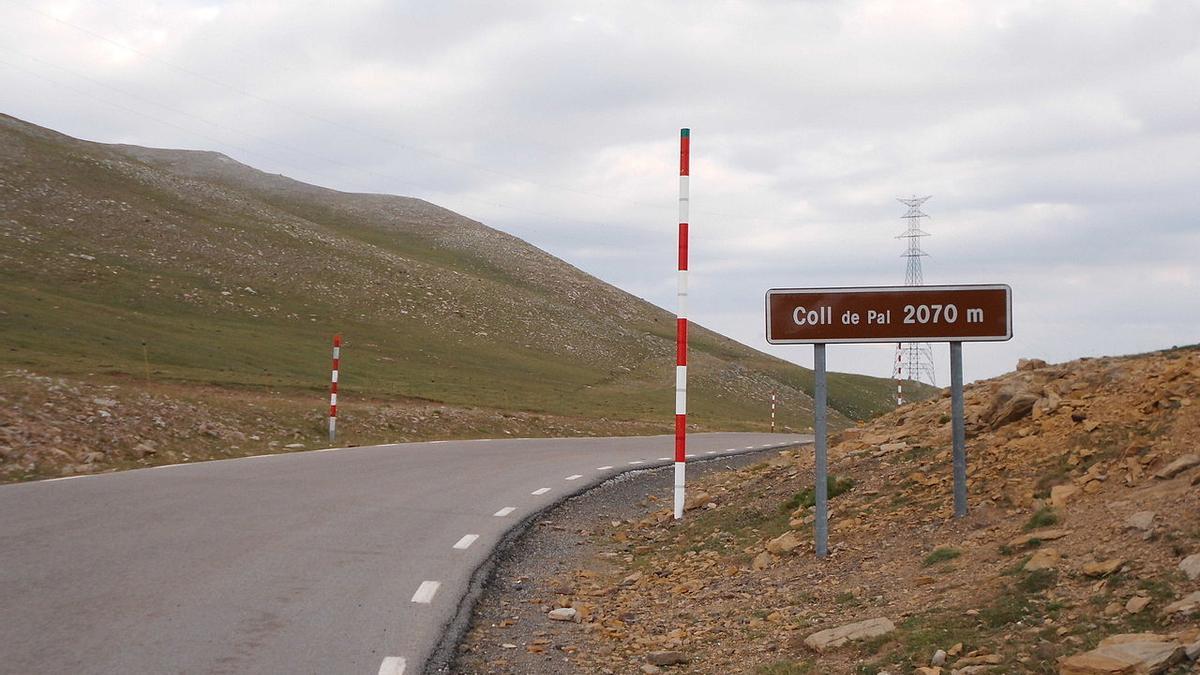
column 914, row 360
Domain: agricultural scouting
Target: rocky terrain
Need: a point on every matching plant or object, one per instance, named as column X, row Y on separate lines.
column 1080, row 554
column 58, row 426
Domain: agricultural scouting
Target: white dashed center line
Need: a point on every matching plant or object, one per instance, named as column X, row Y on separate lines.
column 730, row 449
column 664, row 459
column 425, row 592
column 637, row 461
column 466, row 541
column 504, row 511
column 574, row 477
column 540, row 491
column 711, row 452
column 689, row 455
column 603, row 468
column 392, row 665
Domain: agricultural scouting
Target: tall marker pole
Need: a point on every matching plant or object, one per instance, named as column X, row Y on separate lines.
column 333, row 386
column 681, row 328
column 772, row 412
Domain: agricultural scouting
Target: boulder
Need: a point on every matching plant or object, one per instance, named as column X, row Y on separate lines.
column 1136, row 604
column 1010, row 405
column 1142, row 520
column 1102, row 568
column 1030, row 364
column 698, row 500
column 1186, row 605
column 1038, row 535
column 666, row 658
column 762, row 561
column 981, row 660
column 1044, row 559
column 835, row 637
column 563, row 614
column 1061, row 494
column 784, row 543
column 1191, row 566
column 1177, row 467
column 1125, row 654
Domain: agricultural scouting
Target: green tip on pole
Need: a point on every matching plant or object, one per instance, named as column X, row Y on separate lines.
column 684, row 133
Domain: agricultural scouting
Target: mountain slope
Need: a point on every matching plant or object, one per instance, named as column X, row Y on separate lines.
column 118, row 260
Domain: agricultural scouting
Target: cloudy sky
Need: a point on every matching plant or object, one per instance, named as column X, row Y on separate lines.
column 1060, row 140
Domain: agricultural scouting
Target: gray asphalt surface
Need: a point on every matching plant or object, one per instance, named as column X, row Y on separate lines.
column 293, row 563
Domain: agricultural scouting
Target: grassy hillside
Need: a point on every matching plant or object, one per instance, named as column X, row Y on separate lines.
column 119, row 259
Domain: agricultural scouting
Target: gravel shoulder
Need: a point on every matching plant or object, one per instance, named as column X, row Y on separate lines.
column 508, row 630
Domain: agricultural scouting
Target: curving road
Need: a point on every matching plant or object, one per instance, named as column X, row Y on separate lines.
column 344, row 561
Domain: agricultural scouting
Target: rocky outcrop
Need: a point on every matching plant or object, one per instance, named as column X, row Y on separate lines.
column 836, row 637
column 1125, row 655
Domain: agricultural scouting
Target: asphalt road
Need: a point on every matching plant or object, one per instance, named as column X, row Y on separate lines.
column 344, row 561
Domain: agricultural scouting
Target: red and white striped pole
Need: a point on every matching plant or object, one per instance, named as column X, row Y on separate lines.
column 681, row 328
column 899, row 382
column 772, row 412
column 337, row 355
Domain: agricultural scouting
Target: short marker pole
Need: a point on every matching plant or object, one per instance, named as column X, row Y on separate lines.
column 333, row 387
column 772, row 412
column 681, row 327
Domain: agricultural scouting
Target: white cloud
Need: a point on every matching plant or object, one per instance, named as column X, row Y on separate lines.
column 1058, row 139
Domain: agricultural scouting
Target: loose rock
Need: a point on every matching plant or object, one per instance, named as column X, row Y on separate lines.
column 784, row 543
column 1191, row 566
column 666, row 658
column 1136, row 604
column 1102, row 569
column 1128, row 653
column 1187, row 605
column 1177, row 467
column 835, row 637
column 1142, row 520
column 1044, row 559
column 1061, row 494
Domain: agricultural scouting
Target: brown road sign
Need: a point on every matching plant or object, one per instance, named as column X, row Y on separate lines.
column 970, row 313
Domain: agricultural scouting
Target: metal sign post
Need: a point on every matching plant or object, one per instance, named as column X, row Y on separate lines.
column 958, row 430
column 953, row 314
column 821, row 525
